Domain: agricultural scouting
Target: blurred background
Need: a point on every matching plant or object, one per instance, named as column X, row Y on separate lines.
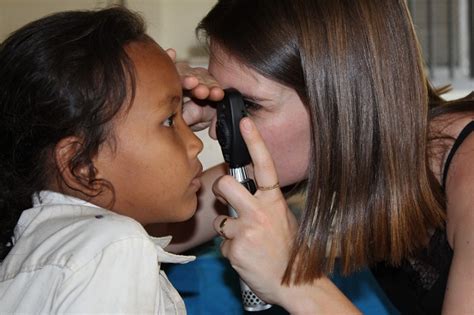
column 445, row 29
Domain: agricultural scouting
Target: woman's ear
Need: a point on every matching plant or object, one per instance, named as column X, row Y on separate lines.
column 79, row 177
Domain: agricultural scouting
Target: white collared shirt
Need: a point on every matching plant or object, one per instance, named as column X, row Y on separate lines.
column 70, row 256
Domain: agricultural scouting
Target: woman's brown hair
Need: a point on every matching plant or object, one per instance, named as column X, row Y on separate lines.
column 356, row 65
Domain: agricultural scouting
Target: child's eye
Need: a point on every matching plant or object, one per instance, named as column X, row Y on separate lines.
column 169, row 122
column 252, row 106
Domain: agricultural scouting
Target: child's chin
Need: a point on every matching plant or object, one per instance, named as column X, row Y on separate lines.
column 188, row 212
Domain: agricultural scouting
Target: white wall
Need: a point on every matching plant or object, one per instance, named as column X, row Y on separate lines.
column 170, row 22
column 15, row 13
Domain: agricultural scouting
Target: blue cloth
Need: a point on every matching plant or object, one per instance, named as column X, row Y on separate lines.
column 363, row 290
column 209, row 285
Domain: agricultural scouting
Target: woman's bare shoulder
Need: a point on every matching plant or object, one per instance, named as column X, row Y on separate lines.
column 460, row 177
column 460, row 231
column 444, row 130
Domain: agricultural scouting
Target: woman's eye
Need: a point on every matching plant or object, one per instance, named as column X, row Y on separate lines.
column 251, row 106
column 169, row 122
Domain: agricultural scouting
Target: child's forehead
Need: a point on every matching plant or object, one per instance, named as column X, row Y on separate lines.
column 150, row 60
column 155, row 75
column 139, row 50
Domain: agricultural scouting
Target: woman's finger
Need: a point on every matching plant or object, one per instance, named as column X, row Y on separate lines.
column 204, row 90
column 236, row 195
column 225, row 226
column 225, row 247
column 199, row 82
column 216, row 93
column 192, row 113
column 264, row 169
column 200, row 91
column 198, row 117
column 171, row 53
column 189, row 82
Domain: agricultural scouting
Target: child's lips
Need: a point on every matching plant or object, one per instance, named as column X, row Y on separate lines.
column 196, row 181
column 199, row 171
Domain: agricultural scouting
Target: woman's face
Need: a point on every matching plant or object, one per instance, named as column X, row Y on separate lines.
column 277, row 110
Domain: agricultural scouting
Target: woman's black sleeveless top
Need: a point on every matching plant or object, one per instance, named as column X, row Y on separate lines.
column 418, row 285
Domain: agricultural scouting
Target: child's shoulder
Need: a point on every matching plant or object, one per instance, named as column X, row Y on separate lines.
column 70, row 236
column 96, row 234
column 89, row 231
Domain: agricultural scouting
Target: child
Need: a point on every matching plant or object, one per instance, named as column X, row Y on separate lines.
column 93, row 147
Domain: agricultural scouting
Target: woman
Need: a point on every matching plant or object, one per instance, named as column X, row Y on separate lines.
column 337, row 91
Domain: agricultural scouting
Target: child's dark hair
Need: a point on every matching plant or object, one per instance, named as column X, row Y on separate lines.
column 66, row 74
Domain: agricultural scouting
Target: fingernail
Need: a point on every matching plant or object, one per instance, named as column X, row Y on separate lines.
column 246, row 124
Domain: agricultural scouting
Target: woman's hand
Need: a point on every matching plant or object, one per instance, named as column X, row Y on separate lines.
column 258, row 242
column 201, row 89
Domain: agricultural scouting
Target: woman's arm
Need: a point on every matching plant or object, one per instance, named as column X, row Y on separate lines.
column 459, row 296
column 320, row 297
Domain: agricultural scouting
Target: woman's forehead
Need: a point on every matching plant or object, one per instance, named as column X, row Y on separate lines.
column 231, row 72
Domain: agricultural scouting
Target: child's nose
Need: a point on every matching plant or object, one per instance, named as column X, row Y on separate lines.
column 195, row 144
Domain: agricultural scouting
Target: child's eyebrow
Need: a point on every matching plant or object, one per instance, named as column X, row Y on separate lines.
column 175, row 98
column 171, row 99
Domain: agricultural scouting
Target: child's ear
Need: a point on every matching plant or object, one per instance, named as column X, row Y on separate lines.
column 80, row 177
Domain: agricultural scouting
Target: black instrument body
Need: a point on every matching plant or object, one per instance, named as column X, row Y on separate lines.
column 229, row 113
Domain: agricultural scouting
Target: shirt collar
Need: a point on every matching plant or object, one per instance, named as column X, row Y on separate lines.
column 45, row 197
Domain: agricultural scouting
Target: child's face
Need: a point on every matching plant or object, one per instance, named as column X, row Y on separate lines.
column 154, row 168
